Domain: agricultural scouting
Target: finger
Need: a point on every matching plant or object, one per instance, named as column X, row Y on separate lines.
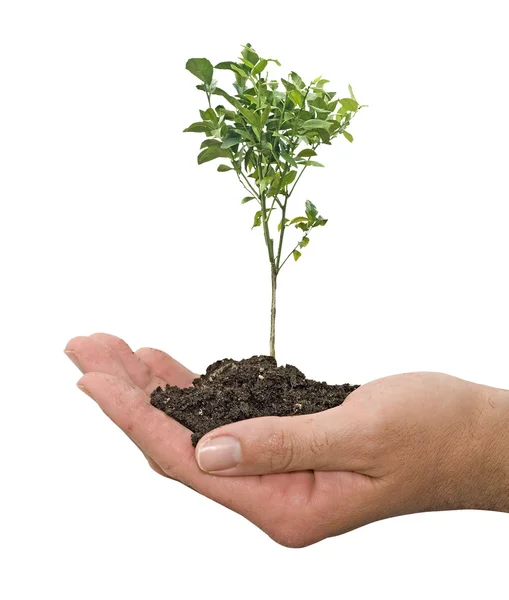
column 108, row 354
column 152, row 463
column 167, row 368
column 159, row 437
column 91, row 355
column 333, row 440
column 155, row 467
column 139, row 372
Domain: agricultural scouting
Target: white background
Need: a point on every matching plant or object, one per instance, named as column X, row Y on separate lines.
column 108, row 224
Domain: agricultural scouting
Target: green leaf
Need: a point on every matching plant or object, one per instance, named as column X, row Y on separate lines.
column 314, row 124
column 320, row 83
column 331, row 106
column 264, row 184
column 321, row 222
column 311, row 210
column 289, row 178
column 289, row 159
column 265, row 115
column 274, row 186
column 248, row 63
column 306, row 153
column 251, row 117
column 296, row 255
column 288, row 85
column 198, row 128
column 296, row 96
column 352, row 95
column 209, row 115
column 224, row 168
column 259, row 67
column 257, row 219
column 320, row 106
column 226, row 65
column 249, row 54
column 251, row 99
column 247, row 158
column 229, row 115
column 212, row 153
column 298, row 220
column 349, row 104
column 280, row 224
column 230, row 141
column 201, row 68
column 297, row 81
column 208, row 143
column 231, row 99
column 216, row 132
column 247, row 199
column 304, row 242
column 239, row 71
column 244, row 134
column 324, row 136
column 312, row 163
column 348, row 136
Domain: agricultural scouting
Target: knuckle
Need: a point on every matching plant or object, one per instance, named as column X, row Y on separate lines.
column 318, row 441
column 280, row 450
column 155, row 467
column 179, row 470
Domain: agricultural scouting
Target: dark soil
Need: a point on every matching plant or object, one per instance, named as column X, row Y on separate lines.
column 234, row 390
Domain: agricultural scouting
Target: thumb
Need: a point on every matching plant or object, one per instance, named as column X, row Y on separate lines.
column 332, row 440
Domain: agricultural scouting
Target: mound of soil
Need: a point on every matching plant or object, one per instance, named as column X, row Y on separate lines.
column 234, row 390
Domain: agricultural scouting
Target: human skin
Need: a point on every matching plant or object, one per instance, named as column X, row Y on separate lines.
column 402, row 444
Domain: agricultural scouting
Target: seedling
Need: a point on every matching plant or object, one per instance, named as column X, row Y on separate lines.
column 269, row 134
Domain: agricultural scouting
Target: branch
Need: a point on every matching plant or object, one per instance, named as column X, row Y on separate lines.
column 302, row 172
column 249, row 189
column 283, row 263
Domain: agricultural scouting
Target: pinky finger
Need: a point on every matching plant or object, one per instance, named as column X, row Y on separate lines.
column 159, row 437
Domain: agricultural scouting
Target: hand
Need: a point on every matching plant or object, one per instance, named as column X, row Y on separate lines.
column 402, row 444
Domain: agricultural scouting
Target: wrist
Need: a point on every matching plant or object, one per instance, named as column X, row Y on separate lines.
column 487, row 479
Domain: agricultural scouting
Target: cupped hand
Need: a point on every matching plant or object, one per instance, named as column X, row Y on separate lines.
column 402, row 444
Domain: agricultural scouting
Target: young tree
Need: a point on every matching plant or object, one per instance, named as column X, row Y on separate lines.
column 269, row 134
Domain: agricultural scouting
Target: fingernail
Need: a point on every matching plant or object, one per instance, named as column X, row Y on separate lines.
column 72, row 356
column 218, row 454
column 84, row 390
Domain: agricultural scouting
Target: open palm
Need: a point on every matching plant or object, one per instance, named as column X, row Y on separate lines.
column 295, row 509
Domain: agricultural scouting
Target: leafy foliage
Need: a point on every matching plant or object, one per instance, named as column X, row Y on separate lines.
column 269, row 131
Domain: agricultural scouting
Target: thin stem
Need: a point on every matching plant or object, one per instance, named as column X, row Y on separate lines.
column 266, row 232
column 273, row 270
column 301, row 173
column 248, row 189
column 272, row 343
column 239, row 172
column 293, row 146
column 274, row 202
column 282, row 264
column 282, row 234
column 251, row 188
column 283, row 224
